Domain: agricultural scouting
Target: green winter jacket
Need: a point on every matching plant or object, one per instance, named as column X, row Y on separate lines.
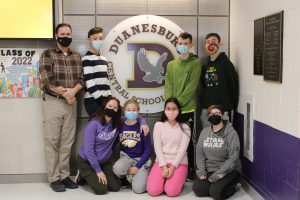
column 182, row 80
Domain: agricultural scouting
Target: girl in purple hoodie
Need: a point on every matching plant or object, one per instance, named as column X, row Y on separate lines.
column 100, row 135
column 99, row 138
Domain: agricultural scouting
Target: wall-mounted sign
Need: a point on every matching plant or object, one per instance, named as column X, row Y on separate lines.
column 258, row 46
column 19, row 72
column 273, row 42
column 138, row 50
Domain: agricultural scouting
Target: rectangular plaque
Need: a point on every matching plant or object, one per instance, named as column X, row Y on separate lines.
column 258, row 46
column 273, row 47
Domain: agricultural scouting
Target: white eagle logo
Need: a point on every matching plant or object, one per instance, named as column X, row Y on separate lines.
column 153, row 73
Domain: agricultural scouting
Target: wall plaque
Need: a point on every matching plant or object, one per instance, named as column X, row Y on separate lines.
column 258, row 46
column 273, row 47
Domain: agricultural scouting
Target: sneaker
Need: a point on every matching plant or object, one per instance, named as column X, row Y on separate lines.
column 69, row 183
column 129, row 178
column 79, row 180
column 191, row 176
column 125, row 183
column 58, row 186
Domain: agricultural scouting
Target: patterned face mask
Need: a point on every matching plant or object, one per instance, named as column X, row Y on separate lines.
column 212, row 48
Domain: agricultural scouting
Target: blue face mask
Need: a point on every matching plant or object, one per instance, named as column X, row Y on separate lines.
column 131, row 115
column 97, row 44
column 183, row 49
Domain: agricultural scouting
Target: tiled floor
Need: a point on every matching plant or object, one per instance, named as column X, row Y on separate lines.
column 42, row 191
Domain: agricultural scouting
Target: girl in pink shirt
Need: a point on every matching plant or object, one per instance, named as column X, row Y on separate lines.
column 171, row 139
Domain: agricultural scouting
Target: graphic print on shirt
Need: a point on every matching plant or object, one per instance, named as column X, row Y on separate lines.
column 130, row 138
column 211, row 78
column 213, row 142
column 106, row 136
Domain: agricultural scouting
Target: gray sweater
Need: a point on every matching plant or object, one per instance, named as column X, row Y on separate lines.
column 218, row 152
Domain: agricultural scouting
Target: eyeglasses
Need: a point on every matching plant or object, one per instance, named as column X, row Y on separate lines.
column 215, row 113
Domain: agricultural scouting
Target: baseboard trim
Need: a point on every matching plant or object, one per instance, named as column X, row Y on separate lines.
column 23, row 178
column 247, row 187
column 42, row 177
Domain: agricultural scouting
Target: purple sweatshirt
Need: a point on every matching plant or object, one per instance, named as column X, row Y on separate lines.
column 135, row 144
column 98, row 143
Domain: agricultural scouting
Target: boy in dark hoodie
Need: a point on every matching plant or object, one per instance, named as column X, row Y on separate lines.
column 219, row 80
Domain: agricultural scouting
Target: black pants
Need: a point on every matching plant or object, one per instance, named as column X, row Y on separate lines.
column 189, row 119
column 91, row 105
column 221, row 189
column 88, row 174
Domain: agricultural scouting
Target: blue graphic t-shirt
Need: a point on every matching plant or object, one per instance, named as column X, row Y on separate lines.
column 134, row 143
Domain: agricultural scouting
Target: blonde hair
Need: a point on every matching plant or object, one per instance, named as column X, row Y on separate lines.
column 132, row 101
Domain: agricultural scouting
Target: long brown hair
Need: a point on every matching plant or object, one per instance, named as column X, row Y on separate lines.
column 100, row 114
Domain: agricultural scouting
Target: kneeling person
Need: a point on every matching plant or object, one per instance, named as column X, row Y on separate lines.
column 135, row 152
column 217, row 158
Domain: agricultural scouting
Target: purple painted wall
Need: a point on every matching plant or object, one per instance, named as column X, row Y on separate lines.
column 275, row 171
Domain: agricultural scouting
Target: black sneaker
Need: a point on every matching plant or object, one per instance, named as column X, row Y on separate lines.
column 191, row 176
column 69, row 183
column 58, row 186
column 125, row 183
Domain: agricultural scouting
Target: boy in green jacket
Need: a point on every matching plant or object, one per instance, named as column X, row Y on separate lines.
column 181, row 82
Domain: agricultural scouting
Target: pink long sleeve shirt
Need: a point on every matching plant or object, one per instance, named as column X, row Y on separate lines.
column 171, row 143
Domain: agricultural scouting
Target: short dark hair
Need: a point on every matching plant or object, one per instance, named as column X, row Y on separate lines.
column 95, row 30
column 62, row 25
column 213, row 35
column 219, row 107
column 186, row 35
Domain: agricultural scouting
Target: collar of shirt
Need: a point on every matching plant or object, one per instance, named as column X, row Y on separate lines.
column 58, row 50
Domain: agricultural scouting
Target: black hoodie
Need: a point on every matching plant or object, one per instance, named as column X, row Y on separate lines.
column 220, row 83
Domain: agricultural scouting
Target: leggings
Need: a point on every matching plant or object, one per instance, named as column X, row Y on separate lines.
column 157, row 184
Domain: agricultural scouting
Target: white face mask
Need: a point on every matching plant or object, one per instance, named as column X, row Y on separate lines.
column 97, row 44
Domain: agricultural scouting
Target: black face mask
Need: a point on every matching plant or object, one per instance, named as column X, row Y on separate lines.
column 110, row 112
column 64, row 41
column 215, row 119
